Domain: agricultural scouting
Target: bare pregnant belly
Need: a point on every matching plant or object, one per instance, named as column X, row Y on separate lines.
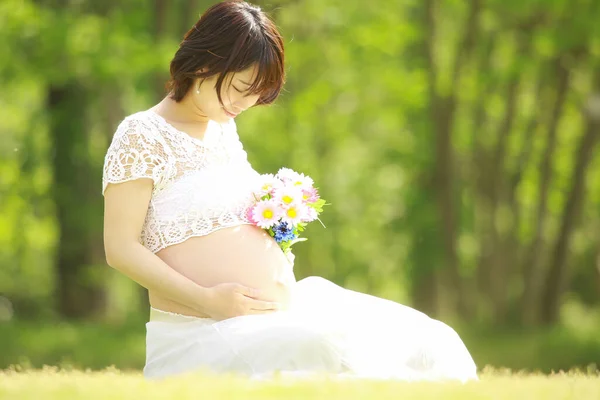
column 243, row 254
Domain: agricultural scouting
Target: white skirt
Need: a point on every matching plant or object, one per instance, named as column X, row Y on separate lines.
column 328, row 329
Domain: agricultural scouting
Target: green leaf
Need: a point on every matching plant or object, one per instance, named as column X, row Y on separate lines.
column 318, row 205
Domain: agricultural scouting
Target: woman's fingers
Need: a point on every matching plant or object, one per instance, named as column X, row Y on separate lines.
column 257, row 312
column 260, row 305
column 247, row 291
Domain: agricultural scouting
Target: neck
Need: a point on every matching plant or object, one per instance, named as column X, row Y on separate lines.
column 185, row 112
column 183, row 116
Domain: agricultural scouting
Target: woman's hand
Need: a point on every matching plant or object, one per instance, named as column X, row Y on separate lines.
column 228, row 300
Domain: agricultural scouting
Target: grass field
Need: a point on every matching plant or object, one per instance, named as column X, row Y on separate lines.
column 54, row 384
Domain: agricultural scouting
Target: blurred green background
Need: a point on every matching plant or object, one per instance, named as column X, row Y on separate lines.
column 457, row 142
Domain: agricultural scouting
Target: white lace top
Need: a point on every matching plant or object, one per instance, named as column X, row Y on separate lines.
column 200, row 186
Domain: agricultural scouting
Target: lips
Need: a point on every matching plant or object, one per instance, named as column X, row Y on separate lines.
column 232, row 115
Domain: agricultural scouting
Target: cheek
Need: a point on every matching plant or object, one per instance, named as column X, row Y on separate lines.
column 236, row 97
column 228, row 97
column 225, row 97
column 253, row 99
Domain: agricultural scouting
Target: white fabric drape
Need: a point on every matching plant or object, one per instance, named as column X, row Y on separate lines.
column 327, row 329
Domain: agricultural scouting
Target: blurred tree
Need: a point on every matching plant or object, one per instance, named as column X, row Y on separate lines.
column 448, row 137
column 557, row 278
column 78, row 294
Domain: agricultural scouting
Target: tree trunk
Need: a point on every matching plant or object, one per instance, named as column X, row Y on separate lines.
column 476, row 289
column 77, row 295
column 514, row 181
column 556, row 280
column 480, row 166
column 531, row 266
column 497, row 265
column 442, row 115
column 425, row 293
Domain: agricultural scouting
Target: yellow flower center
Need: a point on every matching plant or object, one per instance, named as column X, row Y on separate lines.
column 287, row 199
column 268, row 214
column 292, row 213
column 298, row 183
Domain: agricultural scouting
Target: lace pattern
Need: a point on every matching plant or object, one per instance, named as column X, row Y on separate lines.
column 199, row 186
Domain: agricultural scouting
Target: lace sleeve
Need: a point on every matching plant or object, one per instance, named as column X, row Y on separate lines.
column 135, row 152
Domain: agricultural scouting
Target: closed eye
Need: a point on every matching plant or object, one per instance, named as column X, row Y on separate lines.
column 244, row 92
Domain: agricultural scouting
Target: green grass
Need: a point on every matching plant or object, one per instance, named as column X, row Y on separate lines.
column 54, row 384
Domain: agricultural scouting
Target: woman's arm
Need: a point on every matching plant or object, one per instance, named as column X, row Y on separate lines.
column 125, row 207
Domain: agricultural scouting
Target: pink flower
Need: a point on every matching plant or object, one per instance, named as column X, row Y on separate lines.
column 266, row 213
column 249, row 215
column 310, row 195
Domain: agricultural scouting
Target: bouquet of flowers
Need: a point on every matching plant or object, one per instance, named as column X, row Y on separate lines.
column 286, row 202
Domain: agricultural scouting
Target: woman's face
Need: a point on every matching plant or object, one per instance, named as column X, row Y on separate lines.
column 233, row 93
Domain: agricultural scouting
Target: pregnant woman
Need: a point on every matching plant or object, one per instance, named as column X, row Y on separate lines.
column 177, row 186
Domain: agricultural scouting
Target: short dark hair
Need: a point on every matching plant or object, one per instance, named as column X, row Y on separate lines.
column 230, row 37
